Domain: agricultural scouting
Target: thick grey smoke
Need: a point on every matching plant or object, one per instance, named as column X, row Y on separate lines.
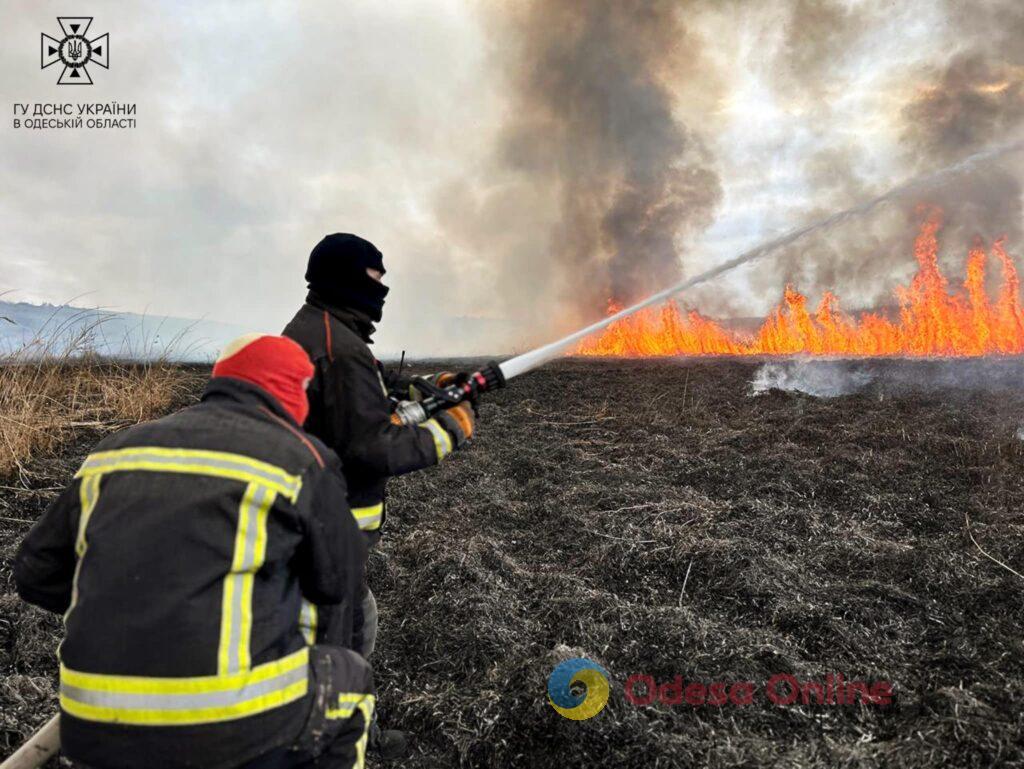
column 974, row 95
column 592, row 116
column 974, row 99
column 962, row 93
column 619, row 131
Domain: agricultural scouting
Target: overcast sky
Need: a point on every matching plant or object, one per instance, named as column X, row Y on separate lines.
column 263, row 126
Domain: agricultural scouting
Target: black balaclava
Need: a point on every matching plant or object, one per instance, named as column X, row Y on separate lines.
column 337, row 273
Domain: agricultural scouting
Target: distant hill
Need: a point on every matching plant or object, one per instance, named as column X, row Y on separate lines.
column 118, row 334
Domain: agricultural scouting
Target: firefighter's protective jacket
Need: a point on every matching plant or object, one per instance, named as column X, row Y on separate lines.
column 350, row 410
column 187, row 556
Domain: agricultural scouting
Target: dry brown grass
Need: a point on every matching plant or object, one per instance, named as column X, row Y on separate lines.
column 55, row 384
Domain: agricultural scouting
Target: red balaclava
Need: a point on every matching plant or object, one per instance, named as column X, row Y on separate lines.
column 276, row 364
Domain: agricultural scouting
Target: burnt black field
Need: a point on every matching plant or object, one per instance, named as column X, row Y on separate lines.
column 655, row 517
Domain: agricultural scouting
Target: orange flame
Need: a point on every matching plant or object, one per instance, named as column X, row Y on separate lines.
column 933, row 320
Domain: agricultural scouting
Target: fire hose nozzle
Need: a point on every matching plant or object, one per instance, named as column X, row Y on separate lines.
column 489, row 377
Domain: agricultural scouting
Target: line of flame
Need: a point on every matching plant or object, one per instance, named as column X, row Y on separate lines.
column 933, row 319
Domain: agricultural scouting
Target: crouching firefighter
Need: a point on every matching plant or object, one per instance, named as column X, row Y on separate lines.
column 186, row 556
column 350, row 407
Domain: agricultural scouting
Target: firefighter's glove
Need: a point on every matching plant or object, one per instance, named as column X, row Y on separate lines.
column 443, row 378
column 459, row 422
column 446, row 378
column 440, row 379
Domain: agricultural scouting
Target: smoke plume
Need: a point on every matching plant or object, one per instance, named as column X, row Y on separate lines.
column 974, row 99
column 959, row 90
column 518, row 163
column 592, row 115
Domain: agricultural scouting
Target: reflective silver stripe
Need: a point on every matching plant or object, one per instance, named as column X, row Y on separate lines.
column 307, row 621
column 131, row 701
column 249, row 553
column 369, row 517
column 442, row 441
column 215, row 463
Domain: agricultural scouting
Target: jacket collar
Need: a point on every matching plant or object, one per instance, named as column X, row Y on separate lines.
column 356, row 320
column 245, row 393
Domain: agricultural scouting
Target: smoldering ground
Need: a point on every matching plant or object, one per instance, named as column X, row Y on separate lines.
column 881, row 377
column 653, row 516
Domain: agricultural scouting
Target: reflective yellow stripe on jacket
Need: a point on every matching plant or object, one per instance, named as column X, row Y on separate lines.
column 345, row 707
column 220, row 464
column 249, row 554
column 88, row 496
column 369, row 518
column 176, row 701
column 442, row 440
column 238, row 689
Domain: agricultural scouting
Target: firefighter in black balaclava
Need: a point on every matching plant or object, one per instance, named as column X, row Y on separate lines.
column 350, row 407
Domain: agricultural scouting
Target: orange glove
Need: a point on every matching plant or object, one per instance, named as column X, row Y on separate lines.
column 459, row 422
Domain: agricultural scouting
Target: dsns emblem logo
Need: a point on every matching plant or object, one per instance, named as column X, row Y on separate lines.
column 579, row 671
column 75, row 51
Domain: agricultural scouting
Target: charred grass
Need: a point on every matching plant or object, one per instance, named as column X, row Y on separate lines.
column 655, row 518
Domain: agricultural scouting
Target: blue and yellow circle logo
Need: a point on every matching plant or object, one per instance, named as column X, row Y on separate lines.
column 578, row 707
